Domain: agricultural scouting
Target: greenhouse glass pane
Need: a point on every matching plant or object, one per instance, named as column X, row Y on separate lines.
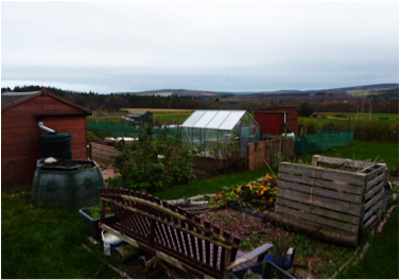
column 193, row 119
column 232, row 120
column 219, row 118
column 205, row 119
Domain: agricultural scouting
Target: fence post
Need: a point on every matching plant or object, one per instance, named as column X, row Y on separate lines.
column 349, row 123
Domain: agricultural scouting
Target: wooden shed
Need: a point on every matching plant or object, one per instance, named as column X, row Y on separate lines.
column 272, row 120
column 140, row 118
column 20, row 115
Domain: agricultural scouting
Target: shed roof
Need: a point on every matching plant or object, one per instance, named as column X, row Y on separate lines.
column 214, row 119
column 138, row 114
column 12, row 99
column 276, row 107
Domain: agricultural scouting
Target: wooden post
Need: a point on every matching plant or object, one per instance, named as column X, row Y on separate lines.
column 103, row 212
column 349, row 123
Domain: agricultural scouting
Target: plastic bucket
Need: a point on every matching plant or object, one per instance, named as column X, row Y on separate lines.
column 110, row 242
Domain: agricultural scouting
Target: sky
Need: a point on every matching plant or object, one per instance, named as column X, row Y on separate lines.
column 207, row 45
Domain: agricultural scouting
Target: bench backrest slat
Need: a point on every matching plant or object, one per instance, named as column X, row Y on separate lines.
column 200, row 242
column 171, row 230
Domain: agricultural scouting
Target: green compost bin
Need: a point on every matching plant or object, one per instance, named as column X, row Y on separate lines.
column 57, row 145
column 71, row 183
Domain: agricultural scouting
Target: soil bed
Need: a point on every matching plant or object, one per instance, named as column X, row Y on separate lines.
column 313, row 259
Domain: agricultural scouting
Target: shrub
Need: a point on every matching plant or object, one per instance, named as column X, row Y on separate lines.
column 376, row 130
column 153, row 163
column 334, row 126
column 228, row 157
column 311, row 125
column 305, row 110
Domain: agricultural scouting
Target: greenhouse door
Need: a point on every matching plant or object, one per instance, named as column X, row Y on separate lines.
column 197, row 139
column 244, row 140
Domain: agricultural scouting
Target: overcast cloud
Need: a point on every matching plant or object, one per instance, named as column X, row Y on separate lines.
column 225, row 46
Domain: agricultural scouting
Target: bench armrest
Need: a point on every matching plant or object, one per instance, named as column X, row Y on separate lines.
column 262, row 250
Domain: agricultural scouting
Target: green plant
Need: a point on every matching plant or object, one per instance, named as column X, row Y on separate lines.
column 281, row 246
column 251, row 275
column 115, row 182
column 94, row 212
column 152, row 163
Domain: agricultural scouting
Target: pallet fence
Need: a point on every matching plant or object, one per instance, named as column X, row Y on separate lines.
column 102, row 153
column 269, row 151
column 338, row 195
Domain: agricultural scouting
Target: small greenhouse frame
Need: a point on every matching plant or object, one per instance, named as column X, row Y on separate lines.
column 208, row 131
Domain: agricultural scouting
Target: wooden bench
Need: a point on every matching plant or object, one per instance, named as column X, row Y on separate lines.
column 173, row 237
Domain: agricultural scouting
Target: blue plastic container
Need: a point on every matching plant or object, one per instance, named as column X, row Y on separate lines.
column 278, row 260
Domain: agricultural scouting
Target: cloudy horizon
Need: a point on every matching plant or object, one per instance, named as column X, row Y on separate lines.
column 218, row 46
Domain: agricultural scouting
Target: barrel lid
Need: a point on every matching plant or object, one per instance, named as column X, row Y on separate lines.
column 59, row 164
column 57, row 135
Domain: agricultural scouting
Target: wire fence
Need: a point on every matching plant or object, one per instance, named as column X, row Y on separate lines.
column 325, row 140
column 127, row 131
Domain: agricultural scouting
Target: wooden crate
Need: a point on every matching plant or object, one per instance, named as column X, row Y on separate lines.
column 339, row 195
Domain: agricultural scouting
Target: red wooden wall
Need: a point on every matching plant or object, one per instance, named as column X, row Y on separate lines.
column 271, row 122
column 20, row 132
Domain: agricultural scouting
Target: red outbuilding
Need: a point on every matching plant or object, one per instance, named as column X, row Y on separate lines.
column 272, row 120
column 21, row 113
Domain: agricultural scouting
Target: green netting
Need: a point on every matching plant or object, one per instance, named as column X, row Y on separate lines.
column 128, row 131
column 326, row 140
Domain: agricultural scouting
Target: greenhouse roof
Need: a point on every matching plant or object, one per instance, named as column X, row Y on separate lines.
column 214, row 119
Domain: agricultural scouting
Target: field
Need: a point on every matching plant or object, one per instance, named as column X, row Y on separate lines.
column 166, row 116
column 364, row 129
column 158, row 111
column 345, row 116
column 361, row 92
column 161, row 116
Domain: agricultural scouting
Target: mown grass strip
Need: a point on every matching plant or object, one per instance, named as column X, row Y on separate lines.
column 382, row 260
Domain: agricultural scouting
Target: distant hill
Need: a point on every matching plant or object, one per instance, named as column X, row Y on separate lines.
column 207, row 94
column 202, row 94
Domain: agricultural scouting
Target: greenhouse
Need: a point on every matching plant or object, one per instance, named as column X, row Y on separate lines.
column 211, row 132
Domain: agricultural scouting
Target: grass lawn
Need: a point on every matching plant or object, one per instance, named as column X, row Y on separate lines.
column 213, row 185
column 382, row 259
column 46, row 243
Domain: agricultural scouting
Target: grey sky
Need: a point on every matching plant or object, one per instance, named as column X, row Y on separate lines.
column 213, row 45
